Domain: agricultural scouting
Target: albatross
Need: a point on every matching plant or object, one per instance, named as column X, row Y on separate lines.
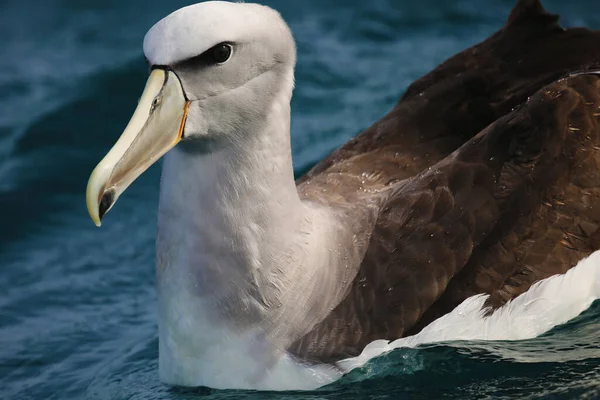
column 483, row 179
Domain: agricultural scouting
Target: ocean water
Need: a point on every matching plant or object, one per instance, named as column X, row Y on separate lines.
column 78, row 304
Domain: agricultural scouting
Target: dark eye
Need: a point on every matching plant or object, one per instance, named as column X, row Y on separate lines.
column 221, row 53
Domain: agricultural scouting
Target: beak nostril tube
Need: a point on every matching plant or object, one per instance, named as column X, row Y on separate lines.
column 106, row 202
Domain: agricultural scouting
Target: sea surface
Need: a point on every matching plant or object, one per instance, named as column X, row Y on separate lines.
column 78, row 304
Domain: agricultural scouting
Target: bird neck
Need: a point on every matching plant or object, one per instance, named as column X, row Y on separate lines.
column 229, row 209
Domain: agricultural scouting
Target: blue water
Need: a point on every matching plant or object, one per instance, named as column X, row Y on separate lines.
column 77, row 303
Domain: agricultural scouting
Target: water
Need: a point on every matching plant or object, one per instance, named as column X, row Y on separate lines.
column 78, row 305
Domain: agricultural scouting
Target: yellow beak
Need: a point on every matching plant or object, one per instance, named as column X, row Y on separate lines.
column 155, row 127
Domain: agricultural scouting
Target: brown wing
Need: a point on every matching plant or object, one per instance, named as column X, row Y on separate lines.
column 459, row 98
column 445, row 220
column 435, row 116
column 547, row 232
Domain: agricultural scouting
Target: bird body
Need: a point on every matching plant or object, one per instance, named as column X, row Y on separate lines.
column 482, row 180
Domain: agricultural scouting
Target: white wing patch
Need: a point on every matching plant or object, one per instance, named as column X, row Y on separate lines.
column 548, row 303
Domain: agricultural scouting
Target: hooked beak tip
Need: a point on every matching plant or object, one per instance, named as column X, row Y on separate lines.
column 108, row 199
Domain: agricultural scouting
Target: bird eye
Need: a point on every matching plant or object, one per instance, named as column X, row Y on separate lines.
column 221, row 53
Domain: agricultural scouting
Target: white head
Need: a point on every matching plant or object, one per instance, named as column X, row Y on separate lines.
column 190, row 31
column 216, row 67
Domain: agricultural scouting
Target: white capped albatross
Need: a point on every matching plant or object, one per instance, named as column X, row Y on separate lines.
column 268, row 283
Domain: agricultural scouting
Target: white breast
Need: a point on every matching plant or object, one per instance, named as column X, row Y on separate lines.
column 194, row 351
